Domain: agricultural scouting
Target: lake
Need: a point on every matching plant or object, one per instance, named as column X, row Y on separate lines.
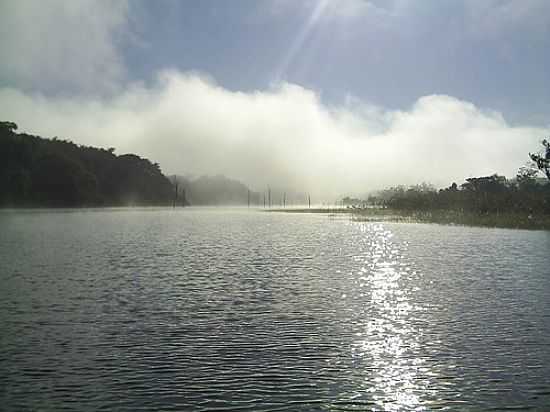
column 235, row 310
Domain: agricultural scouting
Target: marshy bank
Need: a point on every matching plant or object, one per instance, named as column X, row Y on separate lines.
column 443, row 217
column 488, row 201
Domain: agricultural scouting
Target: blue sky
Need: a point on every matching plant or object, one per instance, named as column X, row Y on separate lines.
column 365, row 67
column 491, row 53
column 388, row 53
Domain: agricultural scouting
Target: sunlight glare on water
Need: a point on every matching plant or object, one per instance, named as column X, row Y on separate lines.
column 387, row 341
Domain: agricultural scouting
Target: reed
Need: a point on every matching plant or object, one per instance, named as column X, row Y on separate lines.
column 446, row 217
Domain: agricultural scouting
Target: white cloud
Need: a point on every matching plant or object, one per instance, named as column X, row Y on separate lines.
column 58, row 44
column 284, row 137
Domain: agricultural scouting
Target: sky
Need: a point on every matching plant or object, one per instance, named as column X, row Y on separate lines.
column 332, row 97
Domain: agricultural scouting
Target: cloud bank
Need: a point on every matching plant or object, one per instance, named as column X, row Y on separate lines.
column 63, row 44
column 285, row 137
column 63, row 74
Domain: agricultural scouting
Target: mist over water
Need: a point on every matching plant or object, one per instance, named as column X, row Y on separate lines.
column 311, row 106
column 320, row 97
column 148, row 309
column 285, row 137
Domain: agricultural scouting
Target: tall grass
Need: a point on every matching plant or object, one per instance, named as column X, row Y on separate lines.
column 446, row 217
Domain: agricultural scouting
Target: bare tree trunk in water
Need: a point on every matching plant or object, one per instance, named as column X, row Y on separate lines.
column 183, row 198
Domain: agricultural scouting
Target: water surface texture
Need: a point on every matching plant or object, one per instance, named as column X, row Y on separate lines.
column 229, row 310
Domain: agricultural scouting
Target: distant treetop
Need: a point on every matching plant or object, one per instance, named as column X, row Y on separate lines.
column 543, row 161
column 9, row 126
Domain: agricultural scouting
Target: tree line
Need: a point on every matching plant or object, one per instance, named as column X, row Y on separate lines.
column 525, row 194
column 58, row 173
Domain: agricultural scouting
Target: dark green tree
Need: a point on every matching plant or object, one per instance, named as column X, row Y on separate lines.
column 55, row 172
column 543, row 160
column 526, row 177
column 8, row 126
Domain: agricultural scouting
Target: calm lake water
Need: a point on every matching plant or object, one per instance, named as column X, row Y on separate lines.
column 230, row 310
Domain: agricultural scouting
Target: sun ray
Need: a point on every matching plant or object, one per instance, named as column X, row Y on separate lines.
column 297, row 45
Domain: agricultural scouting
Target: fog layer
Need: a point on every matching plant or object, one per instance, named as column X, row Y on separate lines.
column 285, row 137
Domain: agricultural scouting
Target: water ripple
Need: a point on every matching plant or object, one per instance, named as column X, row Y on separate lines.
column 226, row 310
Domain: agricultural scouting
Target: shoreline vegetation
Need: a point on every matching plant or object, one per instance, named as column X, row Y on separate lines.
column 442, row 217
column 38, row 172
column 52, row 173
column 488, row 201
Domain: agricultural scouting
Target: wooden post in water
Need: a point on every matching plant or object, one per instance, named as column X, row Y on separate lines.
column 308, row 201
column 248, row 199
column 175, row 193
column 284, row 200
column 269, row 196
column 264, row 200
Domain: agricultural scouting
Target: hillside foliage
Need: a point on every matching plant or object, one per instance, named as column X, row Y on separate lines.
column 58, row 173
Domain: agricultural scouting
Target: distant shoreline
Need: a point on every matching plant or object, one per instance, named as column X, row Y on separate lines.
column 444, row 217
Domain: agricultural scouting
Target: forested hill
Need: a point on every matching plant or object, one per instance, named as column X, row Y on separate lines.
column 216, row 191
column 53, row 173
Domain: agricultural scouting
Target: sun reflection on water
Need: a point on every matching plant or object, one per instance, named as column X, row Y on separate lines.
column 388, row 340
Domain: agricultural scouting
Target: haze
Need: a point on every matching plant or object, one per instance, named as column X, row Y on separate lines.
column 328, row 97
